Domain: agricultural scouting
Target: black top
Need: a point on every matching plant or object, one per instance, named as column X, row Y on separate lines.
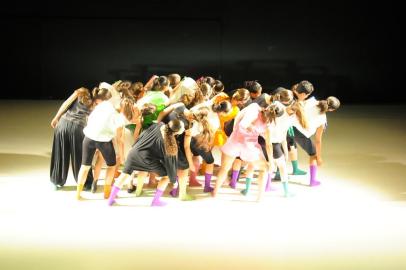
column 77, row 113
column 148, row 155
column 177, row 113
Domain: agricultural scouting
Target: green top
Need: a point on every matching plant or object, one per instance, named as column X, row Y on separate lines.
column 159, row 99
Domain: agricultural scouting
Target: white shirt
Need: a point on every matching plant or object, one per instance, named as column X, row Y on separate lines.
column 186, row 86
column 280, row 126
column 315, row 119
column 103, row 122
column 115, row 95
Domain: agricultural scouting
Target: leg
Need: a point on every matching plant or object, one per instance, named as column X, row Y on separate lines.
column 109, row 180
column 60, row 157
column 97, row 169
column 130, row 186
column 192, row 179
column 84, row 170
column 313, row 171
column 116, row 188
column 183, row 176
column 261, row 179
column 248, row 178
column 152, row 183
column 226, row 163
column 235, row 173
column 140, row 182
column 159, row 191
column 207, row 177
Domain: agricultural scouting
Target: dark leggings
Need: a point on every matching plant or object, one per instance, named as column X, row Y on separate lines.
column 304, row 142
column 105, row 148
column 277, row 150
column 206, row 155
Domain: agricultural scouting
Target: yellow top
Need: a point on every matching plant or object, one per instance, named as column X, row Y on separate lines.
column 220, row 136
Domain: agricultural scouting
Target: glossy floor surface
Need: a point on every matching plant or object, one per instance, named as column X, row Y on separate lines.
column 356, row 219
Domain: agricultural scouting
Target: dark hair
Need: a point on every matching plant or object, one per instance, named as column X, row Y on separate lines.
column 223, row 106
column 160, row 83
column 170, row 144
column 101, row 93
column 206, row 90
column 272, row 111
column 209, row 80
column 253, row 87
column 331, row 103
column 218, row 87
column 303, row 87
column 137, row 90
column 84, row 96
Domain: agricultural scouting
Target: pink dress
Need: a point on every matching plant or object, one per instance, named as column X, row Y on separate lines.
column 242, row 141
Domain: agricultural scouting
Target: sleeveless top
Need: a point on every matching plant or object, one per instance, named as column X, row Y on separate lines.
column 77, row 113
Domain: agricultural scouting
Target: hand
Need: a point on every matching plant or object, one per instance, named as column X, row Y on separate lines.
column 54, row 122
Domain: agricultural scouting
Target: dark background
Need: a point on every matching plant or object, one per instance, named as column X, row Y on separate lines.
column 348, row 49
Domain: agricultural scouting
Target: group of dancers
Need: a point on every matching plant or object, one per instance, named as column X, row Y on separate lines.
column 174, row 125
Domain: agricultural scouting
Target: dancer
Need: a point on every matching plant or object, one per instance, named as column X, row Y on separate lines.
column 315, row 112
column 243, row 142
column 155, row 151
column 68, row 137
column 103, row 124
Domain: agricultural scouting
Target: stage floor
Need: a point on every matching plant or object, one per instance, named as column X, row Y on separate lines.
column 356, row 219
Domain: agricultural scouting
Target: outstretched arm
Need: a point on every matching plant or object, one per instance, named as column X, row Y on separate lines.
column 63, row 108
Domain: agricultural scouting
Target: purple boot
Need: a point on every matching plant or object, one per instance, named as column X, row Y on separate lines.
column 113, row 195
column 313, row 172
column 156, row 201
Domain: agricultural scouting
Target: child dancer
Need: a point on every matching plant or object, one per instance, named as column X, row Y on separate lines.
column 102, row 126
column 243, row 142
column 315, row 112
column 68, row 137
column 155, row 151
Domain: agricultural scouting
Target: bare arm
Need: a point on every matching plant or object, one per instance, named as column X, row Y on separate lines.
column 269, row 149
column 318, row 136
column 148, row 85
column 167, row 111
column 120, row 144
column 63, row 108
column 285, row 150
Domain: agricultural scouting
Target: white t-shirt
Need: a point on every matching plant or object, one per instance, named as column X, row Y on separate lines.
column 115, row 95
column 186, row 86
column 280, row 126
column 103, row 122
column 315, row 119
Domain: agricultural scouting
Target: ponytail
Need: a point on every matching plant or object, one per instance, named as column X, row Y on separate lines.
column 101, row 93
column 170, row 144
column 204, row 139
column 272, row 111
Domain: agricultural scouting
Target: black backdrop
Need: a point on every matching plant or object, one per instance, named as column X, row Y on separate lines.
column 351, row 50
